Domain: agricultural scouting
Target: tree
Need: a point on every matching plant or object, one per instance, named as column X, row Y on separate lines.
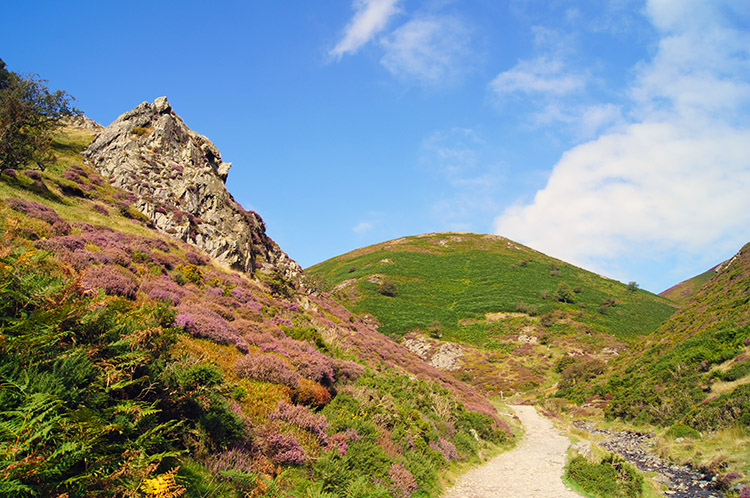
column 29, row 115
column 632, row 286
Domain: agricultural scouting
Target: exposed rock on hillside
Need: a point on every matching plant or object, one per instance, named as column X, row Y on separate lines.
column 177, row 176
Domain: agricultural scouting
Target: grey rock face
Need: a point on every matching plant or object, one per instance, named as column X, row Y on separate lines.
column 178, row 177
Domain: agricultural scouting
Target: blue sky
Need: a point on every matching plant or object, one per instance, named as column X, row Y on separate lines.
column 611, row 134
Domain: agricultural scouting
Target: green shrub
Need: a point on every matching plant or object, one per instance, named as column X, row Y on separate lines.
column 682, row 430
column 388, row 288
column 611, row 477
column 435, row 330
column 580, row 371
column 564, row 293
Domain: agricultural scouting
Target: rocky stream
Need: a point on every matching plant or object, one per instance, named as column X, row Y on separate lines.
column 683, row 481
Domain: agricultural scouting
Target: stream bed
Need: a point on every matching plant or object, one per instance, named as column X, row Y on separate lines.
column 683, row 481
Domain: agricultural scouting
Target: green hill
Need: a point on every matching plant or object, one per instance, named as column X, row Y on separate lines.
column 515, row 311
column 458, row 279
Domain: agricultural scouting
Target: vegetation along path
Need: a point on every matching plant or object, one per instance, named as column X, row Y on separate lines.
column 532, row 469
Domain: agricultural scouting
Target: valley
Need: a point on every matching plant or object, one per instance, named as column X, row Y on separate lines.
column 155, row 341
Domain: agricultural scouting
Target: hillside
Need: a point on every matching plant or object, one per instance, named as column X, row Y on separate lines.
column 696, row 367
column 140, row 362
column 514, row 311
column 684, row 291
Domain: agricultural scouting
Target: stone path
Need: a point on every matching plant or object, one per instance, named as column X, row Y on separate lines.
column 530, row 470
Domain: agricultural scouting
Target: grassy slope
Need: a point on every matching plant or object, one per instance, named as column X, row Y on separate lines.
column 454, row 277
column 484, row 291
column 405, row 422
column 686, row 290
column 696, row 367
column 691, row 375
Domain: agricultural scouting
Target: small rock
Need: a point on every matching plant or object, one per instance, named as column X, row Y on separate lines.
column 585, row 449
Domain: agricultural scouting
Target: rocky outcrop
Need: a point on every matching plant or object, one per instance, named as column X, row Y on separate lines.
column 177, row 177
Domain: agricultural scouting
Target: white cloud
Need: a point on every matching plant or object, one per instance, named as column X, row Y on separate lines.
column 542, row 75
column 433, row 50
column 463, row 161
column 363, row 227
column 677, row 177
column 371, row 17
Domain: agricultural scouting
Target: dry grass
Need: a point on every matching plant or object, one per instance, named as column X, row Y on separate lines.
column 724, row 451
column 718, row 388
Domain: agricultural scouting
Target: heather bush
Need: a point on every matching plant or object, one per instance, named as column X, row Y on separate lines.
column 403, row 483
column 114, row 281
column 195, row 259
column 302, row 417
column 253, row 332
column 346, row 371
column 164, row 289
column 446, row 448
column 33, row 174
column 308, row 361
column 167, row 261
column 282, row 322
column 282, row 449
column 99, row 208
column 339, row 443
column 80, row 259
column 40, row 212
column 146, row 244
column 267, row 367
column 116, row 256
column 62, row 244
column 202, row 322
column 215, row 292
column 242, row 295
column 10, row 172
column 71, row 175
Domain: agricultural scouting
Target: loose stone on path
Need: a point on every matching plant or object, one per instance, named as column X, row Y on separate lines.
column 532, row 469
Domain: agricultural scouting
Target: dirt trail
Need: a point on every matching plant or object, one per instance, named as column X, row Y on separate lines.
column 532, row 469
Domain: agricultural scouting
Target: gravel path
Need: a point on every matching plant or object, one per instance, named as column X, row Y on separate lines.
column 532, row 469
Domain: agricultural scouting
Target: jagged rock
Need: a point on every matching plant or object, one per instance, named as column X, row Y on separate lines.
column 178, row 177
